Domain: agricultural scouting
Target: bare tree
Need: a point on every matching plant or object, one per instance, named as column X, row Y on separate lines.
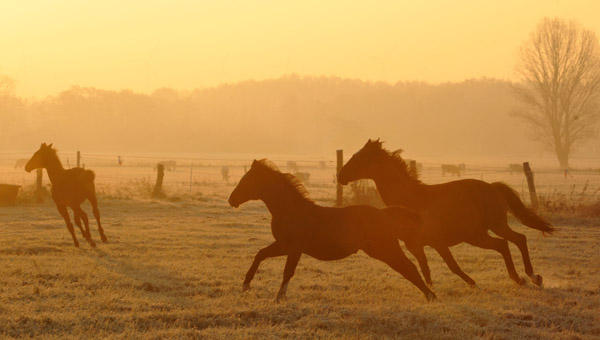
column 559, row 85
column 7, row 85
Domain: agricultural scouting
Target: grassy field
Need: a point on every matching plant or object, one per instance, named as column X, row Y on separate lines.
column 174, row 268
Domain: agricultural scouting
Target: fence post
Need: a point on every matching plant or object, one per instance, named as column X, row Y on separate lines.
column 191, row 172
column 38, row 186
column 340, row 189
column 413, row 168
column 531, row 184
column 160, row 173
column 78, row 159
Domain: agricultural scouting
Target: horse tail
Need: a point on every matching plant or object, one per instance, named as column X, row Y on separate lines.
column 409, row 222
column 518, row 209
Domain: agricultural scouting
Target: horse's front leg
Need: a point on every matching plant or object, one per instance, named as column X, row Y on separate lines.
column 62, row 209
column 288, row 272
column 272, row 250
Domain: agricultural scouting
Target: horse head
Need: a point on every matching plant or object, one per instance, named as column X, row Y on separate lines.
column 363, row 164
column 39, row 158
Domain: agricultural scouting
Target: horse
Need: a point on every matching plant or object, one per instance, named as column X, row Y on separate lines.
column 70, row 188
column 20, row 163
column 451, row 169
column 168, row 165
column 452, row 213
column 300, row 226
column 225, row 173
column 515, row 167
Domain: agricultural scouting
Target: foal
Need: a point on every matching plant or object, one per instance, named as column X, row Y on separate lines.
column 300, row 226
column 70, row 188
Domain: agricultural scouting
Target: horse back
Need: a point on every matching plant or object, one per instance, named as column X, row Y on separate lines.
column 75, row 186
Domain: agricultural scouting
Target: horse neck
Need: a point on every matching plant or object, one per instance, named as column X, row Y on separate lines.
column 397, row 188
column 279, row 201
column 54, row 168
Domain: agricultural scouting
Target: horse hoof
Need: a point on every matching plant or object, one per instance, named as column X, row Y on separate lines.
column 520, row 281
column 536, row 279
column 103, row 237
column 431, row 296
column 472, row 285
column 430, row 284
column 245, row 287
column 77, row 245
column 280, row 299
column 93, row 244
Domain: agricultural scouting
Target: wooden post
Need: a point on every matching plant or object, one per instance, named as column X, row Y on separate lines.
column 531, row 184
column 340, row 189
column 191, row 172
column 413, row 168
column 78, row 159
column 38, row 186
column 160, row 173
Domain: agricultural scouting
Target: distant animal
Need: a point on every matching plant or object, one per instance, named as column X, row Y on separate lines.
column 451, row 169
column 300, row 226
column 419, row 166
column 515, row 167
column 70, row 188
column 20, row 163
column 225, row 173
column 303, row 176
column 452, row 213
column 168, row 165
column 292, row 166
column 462, row 168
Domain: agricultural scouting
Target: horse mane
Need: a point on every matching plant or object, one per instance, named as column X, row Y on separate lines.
column 396, row 159
column 52, row 152
column 290, row 181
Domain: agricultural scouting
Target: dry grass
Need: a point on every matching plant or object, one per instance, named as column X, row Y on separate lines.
column 174, row 268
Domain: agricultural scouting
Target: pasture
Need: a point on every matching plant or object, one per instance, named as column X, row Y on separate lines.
column 173, row 268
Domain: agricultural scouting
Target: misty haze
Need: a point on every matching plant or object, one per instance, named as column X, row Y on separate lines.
column 266, row 170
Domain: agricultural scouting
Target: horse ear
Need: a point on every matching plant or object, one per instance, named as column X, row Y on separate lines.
column 377, row 141
column 42, row 145
column 50, row 145
column 254, row 162
column 369, row 141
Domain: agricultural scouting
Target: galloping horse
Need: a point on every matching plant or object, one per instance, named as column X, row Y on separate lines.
column 301, row 226
column 70, row 188
column 452, row 213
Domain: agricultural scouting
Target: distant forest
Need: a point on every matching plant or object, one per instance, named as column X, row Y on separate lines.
column 292, row 114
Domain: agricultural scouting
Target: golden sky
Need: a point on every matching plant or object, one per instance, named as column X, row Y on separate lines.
column 50, row 45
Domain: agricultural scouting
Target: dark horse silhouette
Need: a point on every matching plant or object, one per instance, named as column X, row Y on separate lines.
column 452, row 213
column 70, row 188
column 325, row 233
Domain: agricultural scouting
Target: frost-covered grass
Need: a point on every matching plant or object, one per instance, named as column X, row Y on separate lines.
column 173, row 268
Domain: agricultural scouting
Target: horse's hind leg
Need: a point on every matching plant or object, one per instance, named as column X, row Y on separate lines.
column 394, row 257
column 451, row 262
column 272, row 250
column 94, row 203
column 81, row 215
column 503, row 230
column 500, row 245
column 62, row 209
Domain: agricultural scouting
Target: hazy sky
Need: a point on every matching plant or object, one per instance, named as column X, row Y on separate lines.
column 50, row 45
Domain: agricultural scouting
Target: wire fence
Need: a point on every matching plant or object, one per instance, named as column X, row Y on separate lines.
column 190, row 174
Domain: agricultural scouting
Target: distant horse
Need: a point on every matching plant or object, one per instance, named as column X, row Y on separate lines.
column 168, row 165
column 518, row 168
column 292, row 166
column 301, row 226
column 20, row 163
column 462, row 168
column 453, row 212
column 304, row 177
column 70, row 188
column 225, row 173
column 451, row 169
